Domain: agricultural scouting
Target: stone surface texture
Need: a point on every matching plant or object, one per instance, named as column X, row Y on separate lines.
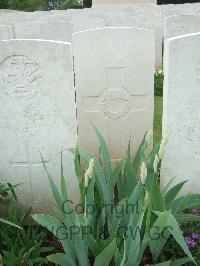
column 37, row 115
column 54, row 30
column 6, row 32
column 181, row 25
column 114, row 86
column 182, row 111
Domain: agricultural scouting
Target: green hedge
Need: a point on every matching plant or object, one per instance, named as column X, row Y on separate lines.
column 28, row 5
column 87, row 3
column 33, row 5
column 3, row 3
column 67, row 4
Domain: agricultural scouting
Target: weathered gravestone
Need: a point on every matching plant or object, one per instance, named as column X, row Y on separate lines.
column 154, row 23
column 178, row 10
column 83, row 21
column 150, row 22
column 114, row 70
column 142, row 10
column 181, row 25
column 91, row 18
column 119, row 2
column 27, row 29
column 57, row 30
column 6, row 32
column 182, row 111
column 37, row 115
column 10, row 18
column 6, row 11
column 54, row 30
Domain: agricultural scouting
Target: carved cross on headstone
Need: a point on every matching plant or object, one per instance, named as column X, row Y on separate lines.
column 115, row 101
column 29, row 164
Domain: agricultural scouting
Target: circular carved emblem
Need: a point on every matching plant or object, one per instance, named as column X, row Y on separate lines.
column 21, row 77
column 115, row 103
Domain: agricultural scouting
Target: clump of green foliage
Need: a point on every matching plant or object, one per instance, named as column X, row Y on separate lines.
column 3, row 4
column 23, row 247
column 192, row 236
column 158, row 83
column 28, row 5
column 87, row 3
column 19, row 245
column 34, row 5
column 68, row 4
column 125, row 212
column 7, row 196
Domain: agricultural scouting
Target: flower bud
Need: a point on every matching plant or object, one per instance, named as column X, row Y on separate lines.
column 143, row 173
column 86, row 179
column 163, row 146
column 165, row 139
column 89, row 172
column 91, row 168
column 155, row 164
column 161, row 151
column 149, row 138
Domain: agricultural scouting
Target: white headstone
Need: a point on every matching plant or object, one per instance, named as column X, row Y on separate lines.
column 6, row 32
column 114, row 70
column 151, row 22
column 181, row 25
column 177, row 10
column 37, row 115
column 84, row 22
column 142, row 10
column 154, row 23
column 182, row 111
column 11, row 18
column 6, row 11
column 119, row 2
column 56, row 30
column 27, row 29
